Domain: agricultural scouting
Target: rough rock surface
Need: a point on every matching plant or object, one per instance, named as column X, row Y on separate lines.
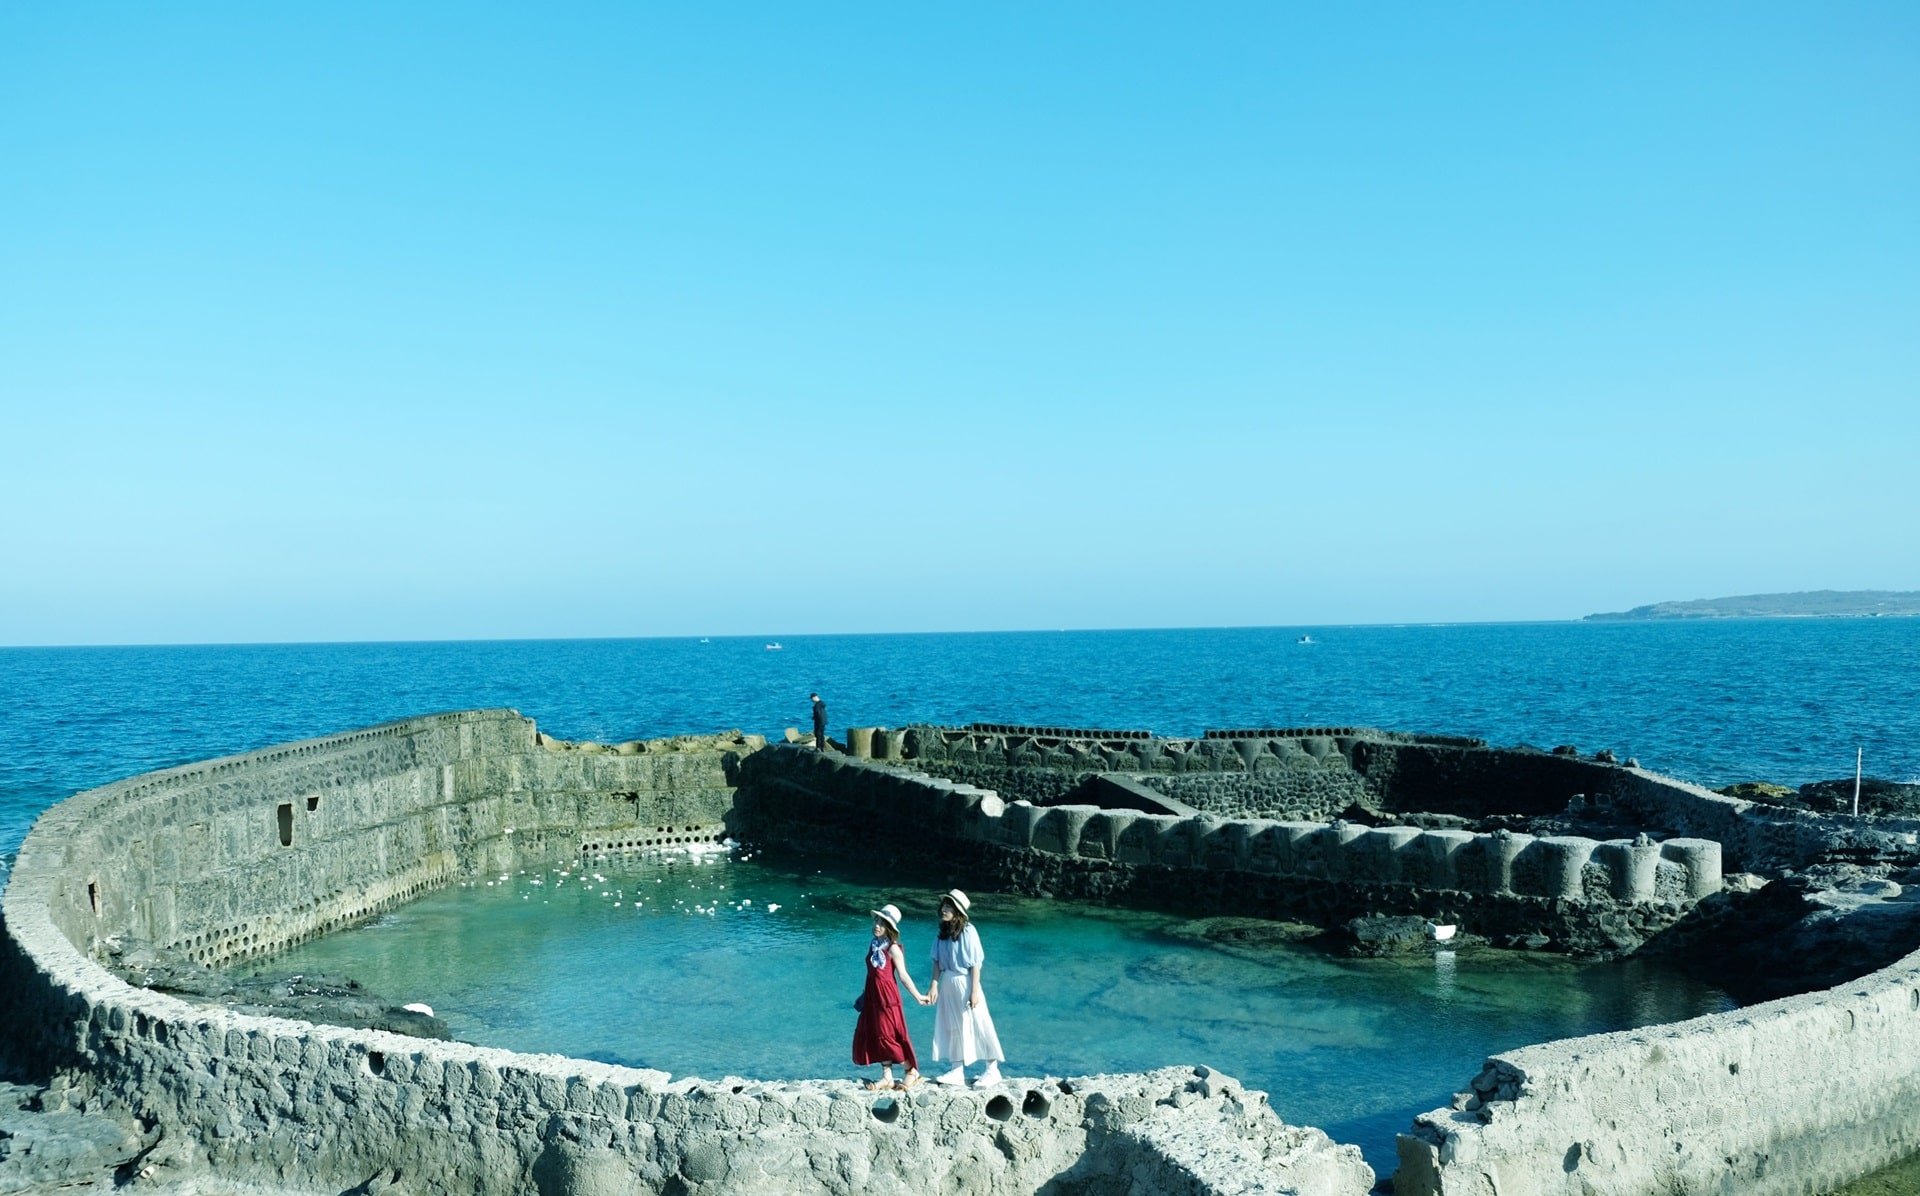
column 1375, row 937
column 45, row 1149
column 1796, row 934
column 309, row 997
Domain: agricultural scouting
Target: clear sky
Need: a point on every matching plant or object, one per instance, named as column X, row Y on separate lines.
column 411, row 321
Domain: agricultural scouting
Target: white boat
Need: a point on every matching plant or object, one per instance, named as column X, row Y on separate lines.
column 774, row 646
column 1305, row 639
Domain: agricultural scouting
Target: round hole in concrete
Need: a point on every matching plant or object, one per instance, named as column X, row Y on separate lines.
column 1036, row 1104
column 1000, row 1108
column 886, row 1110
column 376, row 1063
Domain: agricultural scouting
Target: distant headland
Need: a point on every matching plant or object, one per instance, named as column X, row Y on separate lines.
column 1807, row 604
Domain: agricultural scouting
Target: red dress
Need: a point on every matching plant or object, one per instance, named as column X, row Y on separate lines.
column 880, row 1036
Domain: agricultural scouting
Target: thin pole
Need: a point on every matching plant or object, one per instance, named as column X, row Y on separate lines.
column 1858, row 754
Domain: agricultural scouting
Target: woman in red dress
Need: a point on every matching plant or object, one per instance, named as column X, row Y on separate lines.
column 880, row 1036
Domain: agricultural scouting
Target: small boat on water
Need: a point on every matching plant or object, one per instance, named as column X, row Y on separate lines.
column 705, row 640
column 1305, row 639
column 774, row 646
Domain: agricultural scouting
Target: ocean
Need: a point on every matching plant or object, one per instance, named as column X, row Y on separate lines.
column 1715, row 702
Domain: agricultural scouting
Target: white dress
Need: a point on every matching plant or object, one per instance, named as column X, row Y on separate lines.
column 960, row 1034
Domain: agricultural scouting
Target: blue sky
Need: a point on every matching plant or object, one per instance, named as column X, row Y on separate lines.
column 377, row 321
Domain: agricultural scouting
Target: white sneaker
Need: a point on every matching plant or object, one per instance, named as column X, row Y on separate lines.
column 957, row 1078
column 989, row 1077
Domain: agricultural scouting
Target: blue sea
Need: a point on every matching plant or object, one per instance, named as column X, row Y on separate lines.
column 1716, row 702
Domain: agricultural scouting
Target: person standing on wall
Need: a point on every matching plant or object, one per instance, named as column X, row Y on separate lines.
column 963, row 1030
column 819, row 724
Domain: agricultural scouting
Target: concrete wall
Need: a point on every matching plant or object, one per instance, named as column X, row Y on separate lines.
column 234, row 858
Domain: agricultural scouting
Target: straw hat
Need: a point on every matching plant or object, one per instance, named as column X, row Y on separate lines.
column 890, row 914
column 959, row 900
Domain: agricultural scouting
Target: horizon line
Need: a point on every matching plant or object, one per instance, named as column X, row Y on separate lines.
column 776, row 637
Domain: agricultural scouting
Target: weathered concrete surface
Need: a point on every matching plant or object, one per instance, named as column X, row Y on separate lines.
column 1793, row 1096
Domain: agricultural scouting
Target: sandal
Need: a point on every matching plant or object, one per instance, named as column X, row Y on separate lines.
column 881, row 1085
column 912, row 1078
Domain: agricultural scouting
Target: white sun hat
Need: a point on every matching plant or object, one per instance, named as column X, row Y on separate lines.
column 959, row 900
column 890, row 914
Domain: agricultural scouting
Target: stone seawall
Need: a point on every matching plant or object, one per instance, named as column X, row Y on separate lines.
column 1311, row 773
column 229, row 860
column 1793, row 1096
column 1589, row 894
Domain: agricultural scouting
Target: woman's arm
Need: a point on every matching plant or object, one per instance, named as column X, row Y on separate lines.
column 900, row 970
column 974, row 996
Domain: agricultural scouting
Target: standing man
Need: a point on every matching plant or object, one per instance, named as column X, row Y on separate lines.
column 819, row 724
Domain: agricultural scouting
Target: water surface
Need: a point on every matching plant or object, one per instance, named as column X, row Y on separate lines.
column 750, row 966
column 1782, row 700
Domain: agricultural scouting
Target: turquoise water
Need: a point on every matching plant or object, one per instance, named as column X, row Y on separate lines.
column 1783, row 700
column 749, row 967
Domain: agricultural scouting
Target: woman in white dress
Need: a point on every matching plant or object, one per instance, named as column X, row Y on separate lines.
column 962, row 1028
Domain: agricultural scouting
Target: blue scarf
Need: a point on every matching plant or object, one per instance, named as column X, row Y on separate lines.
column 877, row 952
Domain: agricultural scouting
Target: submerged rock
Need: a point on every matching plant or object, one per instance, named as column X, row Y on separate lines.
column 307, row 997
column 1387, row 936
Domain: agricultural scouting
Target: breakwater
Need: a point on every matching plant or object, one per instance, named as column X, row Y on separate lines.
column 229, row 860
column 233, row 859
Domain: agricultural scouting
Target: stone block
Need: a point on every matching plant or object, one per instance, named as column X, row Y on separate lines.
column 1101, row 838
column 1553, row 867
column 1701, row 859
column 1439, row 853
column 1178, row 845
column 1017, row 824
column 1631, row 867
column 1139, row 841
column 1373, row 856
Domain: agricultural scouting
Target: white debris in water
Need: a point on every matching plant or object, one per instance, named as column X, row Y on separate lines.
column 418, row 1007
column 772, row 908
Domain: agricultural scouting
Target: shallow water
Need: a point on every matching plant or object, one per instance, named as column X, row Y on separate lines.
column 690, row 967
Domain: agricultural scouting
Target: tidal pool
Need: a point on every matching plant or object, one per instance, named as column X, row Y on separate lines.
column 747, row 964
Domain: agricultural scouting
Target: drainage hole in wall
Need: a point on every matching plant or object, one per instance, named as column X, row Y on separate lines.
column 286, row 824
column 886, row 1110
column 1733, row 1069
column 1036, row 1105
column 313, row 803
column 376, row 1063
column 93, row 896
column 1000, row 1108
